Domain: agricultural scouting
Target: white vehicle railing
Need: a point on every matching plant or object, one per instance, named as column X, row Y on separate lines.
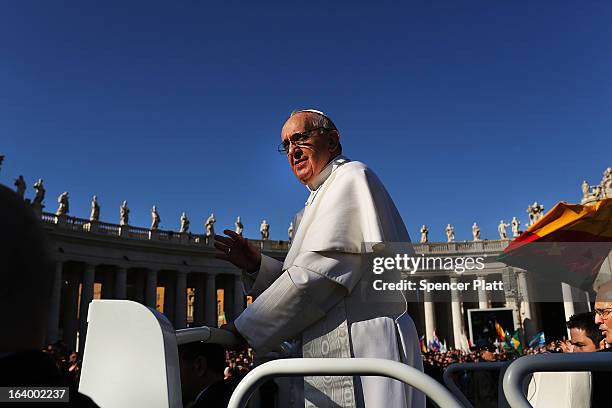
column 299, row 367
column 520, row 368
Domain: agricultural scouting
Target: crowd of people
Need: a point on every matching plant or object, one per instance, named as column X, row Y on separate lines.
column 238, row 364
column 584, row 336
column 67, row 362
column 441, row 360
column 202, row 366
column 481, row 386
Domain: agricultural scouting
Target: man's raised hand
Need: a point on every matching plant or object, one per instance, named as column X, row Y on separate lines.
column 567, row 346
column 237, row 250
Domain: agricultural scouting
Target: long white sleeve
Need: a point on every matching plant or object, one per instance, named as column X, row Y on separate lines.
column 269, row 270
column 299, row 297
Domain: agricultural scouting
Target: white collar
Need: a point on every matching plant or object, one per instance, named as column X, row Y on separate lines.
column 319, row 179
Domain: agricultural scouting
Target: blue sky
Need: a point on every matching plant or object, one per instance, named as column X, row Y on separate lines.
column 468, row 111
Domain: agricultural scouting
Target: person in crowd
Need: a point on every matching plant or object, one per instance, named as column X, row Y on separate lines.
column 228, row 374
column 584, row 334
column 202, row 372
column 573, row 389
column 74, row 367
column 603, row 311
column 484, row 382
column 601, row 380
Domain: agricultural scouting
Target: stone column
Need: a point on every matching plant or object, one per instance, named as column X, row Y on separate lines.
column 568, row 302
column 180, row 312
column 121, row 283
column 430, row 315
column 582, row 302
column 210, row 306
column 54, row 304
column 457, row 317
column 70, row 322
column 510, row 303
column 87, row 289
column 170, row 297
column 107, row 288
column 510, row 295
column 575, row 301
column 523, row 288
column 151, row 288
column 239, row 297
column 483, row 296
column 200, row 300
column 139, row 286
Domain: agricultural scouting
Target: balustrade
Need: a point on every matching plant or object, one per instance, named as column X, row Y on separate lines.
column 145, row 234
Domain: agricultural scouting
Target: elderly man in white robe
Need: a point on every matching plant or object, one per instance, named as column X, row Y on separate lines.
column 319, row 294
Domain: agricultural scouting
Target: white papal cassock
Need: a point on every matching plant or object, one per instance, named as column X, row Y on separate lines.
column 321, row 294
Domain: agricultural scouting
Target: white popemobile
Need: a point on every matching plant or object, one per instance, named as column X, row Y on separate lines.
column 131, row 360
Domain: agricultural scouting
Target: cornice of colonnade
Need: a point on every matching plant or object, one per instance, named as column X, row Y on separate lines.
column 88, row 260
column 272, row 248
column 78, row 241
column 96, row 231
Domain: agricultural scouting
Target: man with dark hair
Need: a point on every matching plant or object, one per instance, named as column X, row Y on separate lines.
column 584, row 333
column 25, row 287
column 202, row 366
column 572, row 389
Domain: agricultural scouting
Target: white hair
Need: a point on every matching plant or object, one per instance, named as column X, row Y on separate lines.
column 318, row 120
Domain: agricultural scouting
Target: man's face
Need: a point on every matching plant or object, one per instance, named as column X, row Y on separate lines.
column 315, row 151
column 581, row 342
column 604, row 322
column 488, row 355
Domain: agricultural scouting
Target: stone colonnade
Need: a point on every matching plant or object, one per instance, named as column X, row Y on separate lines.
column 73, row 290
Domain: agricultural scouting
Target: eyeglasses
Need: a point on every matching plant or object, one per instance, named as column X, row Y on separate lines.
column 603, row 313
column 297, row 140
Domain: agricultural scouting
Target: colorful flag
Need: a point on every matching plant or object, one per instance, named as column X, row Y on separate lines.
column 512, row 344
column 436, row 342
column 516, row 342
column 500, row 331
column 578, row 239
column 422, row 344
column 538, row 340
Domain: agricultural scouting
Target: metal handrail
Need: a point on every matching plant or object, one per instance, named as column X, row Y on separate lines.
column 207, row 335
column 298, row 367
column 520, row 368
column 453, row 368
